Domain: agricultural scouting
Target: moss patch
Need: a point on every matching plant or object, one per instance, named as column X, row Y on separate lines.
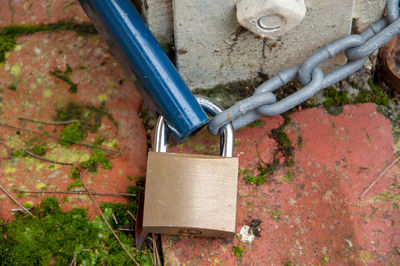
column 237, row 251
column 65, row 76
column 289, row 176
column 97, row 158
column 276, row 214
column 335, row 99
column 228, row 94
column 71, row 134
column 257, row 124
column 285, row 149
column 52, row 237
column 12, row 87
column 18, row 153
column 90, row 120
column 394, row 198
column 256, row 180
column 39, row 150
column 72, row 111
column 75, row 174
column 9, row 34
column 376, row 95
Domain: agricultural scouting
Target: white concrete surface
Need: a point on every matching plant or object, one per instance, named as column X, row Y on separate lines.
column 270, row 18
column 212, row 48
column 158, row 15
column 367, row 12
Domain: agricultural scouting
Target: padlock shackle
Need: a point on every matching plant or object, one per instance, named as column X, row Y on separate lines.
column 227, row 138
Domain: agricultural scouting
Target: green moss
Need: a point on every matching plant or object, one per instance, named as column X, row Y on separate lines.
column 74, row 185
column 255, row 180
column 354, row 29
column 139, row 179
column 289, row 176
column 28, row 205
column 285, row 148
column 72, row 111
column 243, row 171
column 376, row 95
column 66, row 199
column 237, row 251
column 120, row 212
column 90, row 118
column 50, row 206
column 72, row 133
column 39, row 150
column 276, row 214
column 335, row 99
column 18, row 153
column 97, row 158
column 9, row 34
column 257, row 124
column 65, row 76
column 52, row 237
column 99, row 140
column 132, row 190
column 285, row 145
column 74, row 173
column 261, row 178
column 325, row 259
column 394, row 198
column 166, row 46
column 228, row 94
column 300, row 141
column 12, row 87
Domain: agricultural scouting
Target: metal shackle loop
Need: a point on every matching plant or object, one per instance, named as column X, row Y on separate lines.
column 227, row 138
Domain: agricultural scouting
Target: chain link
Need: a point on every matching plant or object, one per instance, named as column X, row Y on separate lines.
column 357, row 49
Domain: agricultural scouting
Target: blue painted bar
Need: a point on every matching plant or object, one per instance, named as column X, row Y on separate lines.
column 137, row 50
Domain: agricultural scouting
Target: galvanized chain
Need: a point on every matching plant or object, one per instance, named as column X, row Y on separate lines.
column 357, row 49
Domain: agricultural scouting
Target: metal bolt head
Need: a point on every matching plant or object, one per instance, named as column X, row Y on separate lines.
column 270, row 18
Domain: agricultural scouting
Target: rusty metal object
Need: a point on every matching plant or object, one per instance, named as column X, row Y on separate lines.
column 388, row 66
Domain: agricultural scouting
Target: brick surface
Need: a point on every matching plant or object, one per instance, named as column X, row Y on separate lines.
column 317, row 218
column 40, row 12
column 38, row 94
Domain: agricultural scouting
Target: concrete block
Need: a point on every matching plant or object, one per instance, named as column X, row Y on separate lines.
column 324, row 22
column 270, row 18
column 212, row 48
column 159, row 17
column 367, row 12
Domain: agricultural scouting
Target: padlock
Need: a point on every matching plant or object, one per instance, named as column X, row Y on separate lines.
column 190, row 194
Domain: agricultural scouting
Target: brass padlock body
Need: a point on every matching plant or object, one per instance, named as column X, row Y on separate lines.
column 189, row 194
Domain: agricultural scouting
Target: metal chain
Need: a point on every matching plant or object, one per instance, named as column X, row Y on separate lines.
column 357, row 49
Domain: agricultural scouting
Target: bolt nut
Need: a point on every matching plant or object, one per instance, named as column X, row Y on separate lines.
column 270, row 18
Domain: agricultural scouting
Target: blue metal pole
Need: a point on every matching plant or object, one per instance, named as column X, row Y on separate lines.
column 141, row 55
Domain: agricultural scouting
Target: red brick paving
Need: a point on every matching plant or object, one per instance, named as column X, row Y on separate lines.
column 316, row 218
column 40, row 12
column 38, row 94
